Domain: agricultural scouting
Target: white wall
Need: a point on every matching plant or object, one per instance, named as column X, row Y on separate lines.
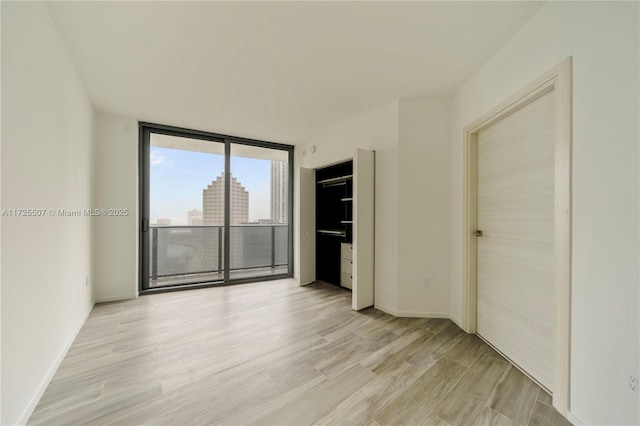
column 603, row 38
column 376, row 129
column 116, row 187
column 47, row 151
column 412, row 143
column 424, row 207
column 373, row 129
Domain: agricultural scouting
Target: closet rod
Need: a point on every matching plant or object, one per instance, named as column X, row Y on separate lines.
column 341, row 179
column 330, row 185
column 332, row 233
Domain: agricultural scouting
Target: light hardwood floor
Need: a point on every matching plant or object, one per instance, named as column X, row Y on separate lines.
column 276, row 353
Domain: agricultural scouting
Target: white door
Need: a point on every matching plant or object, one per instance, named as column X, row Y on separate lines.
column 307, row 232
column 515, row 254
column 363, row 228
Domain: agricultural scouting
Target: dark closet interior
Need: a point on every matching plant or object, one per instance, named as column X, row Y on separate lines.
column 334, row 218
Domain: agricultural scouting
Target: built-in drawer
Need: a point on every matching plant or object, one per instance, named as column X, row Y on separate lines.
column 346, row 251
column 346, row 266
column 346, row 280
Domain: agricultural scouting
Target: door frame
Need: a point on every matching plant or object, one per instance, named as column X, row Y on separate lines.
column 557, row 81
column 363, row 291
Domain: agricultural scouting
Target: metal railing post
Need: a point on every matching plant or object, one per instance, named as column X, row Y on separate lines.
column 273, row 246
column 219, row 249
column 154, row 253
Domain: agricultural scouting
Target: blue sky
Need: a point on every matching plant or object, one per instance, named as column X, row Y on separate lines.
column 178, row 178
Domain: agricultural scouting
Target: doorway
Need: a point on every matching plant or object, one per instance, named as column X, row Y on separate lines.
column 336, row 214
column 517, row 269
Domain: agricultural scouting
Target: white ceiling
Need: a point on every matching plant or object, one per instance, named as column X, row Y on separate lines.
column 276, row 70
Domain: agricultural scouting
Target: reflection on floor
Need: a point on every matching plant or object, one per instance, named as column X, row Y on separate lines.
column 276, row 353
column 218, row 276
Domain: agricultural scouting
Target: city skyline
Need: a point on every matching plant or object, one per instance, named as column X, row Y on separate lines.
column 213, row 207
column 178, row 178
column 279, row 191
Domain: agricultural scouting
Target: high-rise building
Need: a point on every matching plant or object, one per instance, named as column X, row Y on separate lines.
column 213, row 202
column 163, row 221
column 213, row 214
column 194, row 217
column 279, row 192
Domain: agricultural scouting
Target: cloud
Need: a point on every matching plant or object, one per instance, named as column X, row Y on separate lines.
column 157, row 159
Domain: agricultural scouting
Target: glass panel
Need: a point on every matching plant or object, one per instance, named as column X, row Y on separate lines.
column 259, row 235
column 282, row 244
column 186, row 254
column 186, row 211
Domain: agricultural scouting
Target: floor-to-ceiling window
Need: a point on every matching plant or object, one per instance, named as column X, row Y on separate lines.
column 215, row 209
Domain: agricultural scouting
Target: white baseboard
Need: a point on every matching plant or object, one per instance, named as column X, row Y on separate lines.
column 385, row 309
column 411, row 314
column 28, row 410
column 116, row 298
column 575, row 420
column 457, row 320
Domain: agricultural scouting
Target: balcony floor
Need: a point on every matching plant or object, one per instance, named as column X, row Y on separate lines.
column 213, row 277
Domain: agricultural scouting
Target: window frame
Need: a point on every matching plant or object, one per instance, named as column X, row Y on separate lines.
column 145, row 130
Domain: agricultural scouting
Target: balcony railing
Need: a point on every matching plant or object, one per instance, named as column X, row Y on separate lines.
column 185, row 254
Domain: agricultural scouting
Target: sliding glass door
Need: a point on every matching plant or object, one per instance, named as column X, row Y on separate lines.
column 259, row 215
column 214, row 209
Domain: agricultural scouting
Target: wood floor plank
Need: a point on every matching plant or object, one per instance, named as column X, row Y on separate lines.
column 468, row 349
column 200, row 401
column 469, row 396
column 436, row 347
column 362, row 405
column 335, row 362
column 436, row 325
column 418, row 401
column 374, row 360
column 489, row 417
column 309, row 406
column 94, row 412
column 544, row 397
column 403, row 354
column 278, row 353
column 515, row 396
column 248, row 406
column 433, row 420
column 545, row 415
column 73, row 401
